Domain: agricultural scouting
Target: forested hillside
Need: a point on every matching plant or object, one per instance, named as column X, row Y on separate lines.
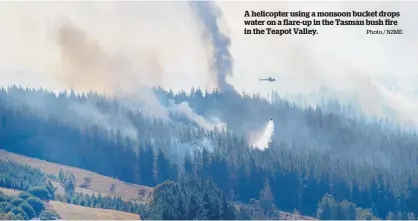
column 318, row 163
column 86, row 182
column 31, row 195
column 28, row 193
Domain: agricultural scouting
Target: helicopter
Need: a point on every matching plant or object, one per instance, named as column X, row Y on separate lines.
column 267, row 79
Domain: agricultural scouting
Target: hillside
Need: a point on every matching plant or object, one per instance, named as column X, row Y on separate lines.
column 75, row 212
column 311, row 164
column 99, row 184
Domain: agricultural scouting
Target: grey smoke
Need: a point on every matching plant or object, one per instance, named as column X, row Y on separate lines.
column 221, row 63
column 89, row 66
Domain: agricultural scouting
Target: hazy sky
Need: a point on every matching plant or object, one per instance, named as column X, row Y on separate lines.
column 92, row 45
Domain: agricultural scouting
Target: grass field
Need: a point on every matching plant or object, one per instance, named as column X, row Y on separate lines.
column 75, row 212
column 99, row 184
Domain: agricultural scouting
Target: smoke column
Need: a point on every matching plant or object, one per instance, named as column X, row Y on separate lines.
column 88, row 66
column 221, row 63
column 264, row 139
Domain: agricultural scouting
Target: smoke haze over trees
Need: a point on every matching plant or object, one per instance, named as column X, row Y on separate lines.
column 361, row 161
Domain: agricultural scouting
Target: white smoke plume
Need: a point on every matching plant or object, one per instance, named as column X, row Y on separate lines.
column 184, row 109
column 261, row 139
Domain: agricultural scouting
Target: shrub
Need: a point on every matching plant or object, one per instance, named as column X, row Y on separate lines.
column 24, row 195
column 3, row 206
column 8, row 207
column 30, row 212
column 49, row 215
column 40, row 192
column 11, row 216
column 17, row 211
column 9, row 198
column 86, row 183
column 36, row 204
column 16, row 201
column 3, row 197
column 19, row 217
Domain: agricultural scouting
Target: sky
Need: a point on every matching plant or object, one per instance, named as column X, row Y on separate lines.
column 95, row 45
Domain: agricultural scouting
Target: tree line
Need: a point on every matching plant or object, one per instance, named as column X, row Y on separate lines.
column 313, row 152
